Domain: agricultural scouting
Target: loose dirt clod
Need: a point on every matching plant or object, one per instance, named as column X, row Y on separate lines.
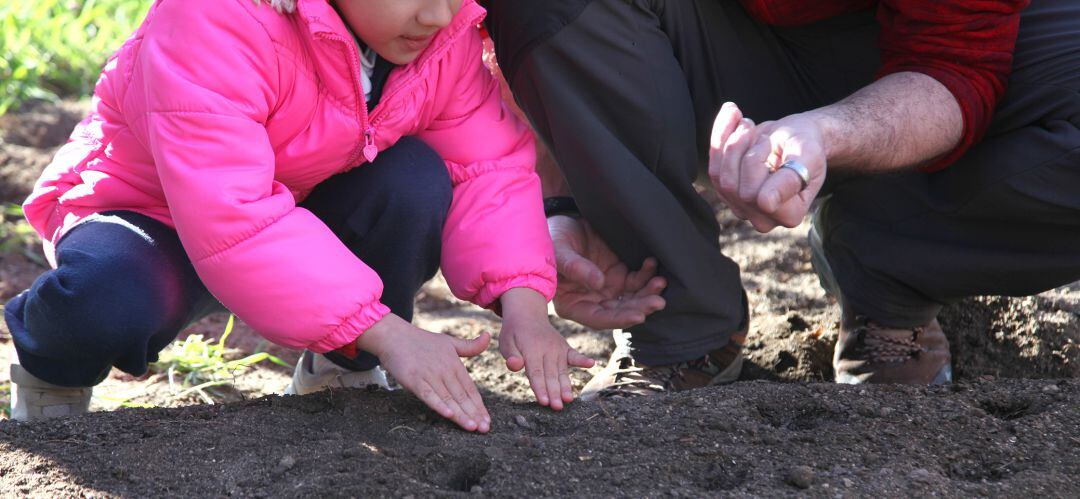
column 801, row 477
column 285, row 464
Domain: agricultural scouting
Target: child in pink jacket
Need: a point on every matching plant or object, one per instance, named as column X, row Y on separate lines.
column 307, row 165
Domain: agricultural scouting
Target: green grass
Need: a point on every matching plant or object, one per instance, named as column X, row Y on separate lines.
column 198, row 365
column 5, row 401
column 16, row 234
column 51, row 49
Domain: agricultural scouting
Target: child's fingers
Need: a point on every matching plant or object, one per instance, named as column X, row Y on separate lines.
column 474, row 417
column 577, row 359
column 463, row 418
column 429, row 397
column 509, row 350
column 551, row 381
column 534, row 370
column 474, row 395
column 566, row 388
column 473, row 347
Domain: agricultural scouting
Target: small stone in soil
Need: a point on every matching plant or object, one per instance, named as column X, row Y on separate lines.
column 287, row 463
column 920, row 475
column 801, row 477
column 1051, row 389
column 524, row 423
column 476, row 489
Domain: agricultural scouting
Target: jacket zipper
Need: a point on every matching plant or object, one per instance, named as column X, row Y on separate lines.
column 367, row 122
column 369, row 150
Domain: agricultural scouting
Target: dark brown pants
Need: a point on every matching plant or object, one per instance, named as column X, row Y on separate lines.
column 625, row 92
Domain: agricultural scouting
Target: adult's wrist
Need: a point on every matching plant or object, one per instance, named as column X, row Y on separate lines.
column 836, row 137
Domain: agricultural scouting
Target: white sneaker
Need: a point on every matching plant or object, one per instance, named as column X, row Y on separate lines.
column 33, row 399
column 315, row 373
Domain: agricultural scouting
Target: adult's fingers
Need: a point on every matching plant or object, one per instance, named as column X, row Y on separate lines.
column 473, row 347
column 574, row 267
column 782, row 195
column 726, row 172
column 753, row 168
column 654, row 287
column 639, row 278
column 594, row 315
column 727, row 120
column 780, row 198
column 645, row 305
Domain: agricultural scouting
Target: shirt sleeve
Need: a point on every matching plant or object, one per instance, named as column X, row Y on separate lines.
column 966, row 45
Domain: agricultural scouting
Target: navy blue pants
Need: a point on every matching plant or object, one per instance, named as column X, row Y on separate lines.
column 124, row 288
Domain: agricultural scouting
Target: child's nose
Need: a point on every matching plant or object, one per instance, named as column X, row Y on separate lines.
column 438, row 13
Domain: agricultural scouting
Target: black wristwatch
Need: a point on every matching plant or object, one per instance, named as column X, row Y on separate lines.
column 561, row 205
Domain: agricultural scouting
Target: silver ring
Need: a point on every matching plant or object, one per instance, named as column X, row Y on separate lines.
column 800, row 169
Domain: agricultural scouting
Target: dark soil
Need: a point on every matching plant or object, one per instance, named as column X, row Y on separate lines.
column 27, row 141
column 1009, row 428
column 1004, row 438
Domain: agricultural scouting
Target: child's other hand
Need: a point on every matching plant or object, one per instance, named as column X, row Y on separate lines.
column 528, row 341
column 428, row 365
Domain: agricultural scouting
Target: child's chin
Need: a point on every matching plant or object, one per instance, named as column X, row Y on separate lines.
column 400, row 57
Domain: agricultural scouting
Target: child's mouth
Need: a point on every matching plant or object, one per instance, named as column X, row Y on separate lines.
column 417, row 43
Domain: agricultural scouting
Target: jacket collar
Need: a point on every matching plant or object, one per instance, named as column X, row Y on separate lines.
column 322, row 20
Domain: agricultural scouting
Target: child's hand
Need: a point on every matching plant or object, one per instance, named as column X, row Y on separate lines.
column 427, row 364
column 528, row 341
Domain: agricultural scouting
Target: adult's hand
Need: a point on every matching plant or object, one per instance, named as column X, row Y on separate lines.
column 595, row 288
column 744, row 165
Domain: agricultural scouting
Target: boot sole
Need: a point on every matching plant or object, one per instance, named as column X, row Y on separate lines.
column 943, row 377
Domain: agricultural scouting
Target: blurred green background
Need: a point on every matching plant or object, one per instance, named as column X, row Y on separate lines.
column 54, row 49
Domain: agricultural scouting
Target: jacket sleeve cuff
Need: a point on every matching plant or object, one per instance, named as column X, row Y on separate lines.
column 489, row 294
column 346, row 333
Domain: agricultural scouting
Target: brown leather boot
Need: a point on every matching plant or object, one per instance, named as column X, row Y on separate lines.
column 624, row 377
column 870, row 353
column 867, row 352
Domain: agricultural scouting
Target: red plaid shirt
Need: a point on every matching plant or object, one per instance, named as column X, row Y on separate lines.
column 967, row 45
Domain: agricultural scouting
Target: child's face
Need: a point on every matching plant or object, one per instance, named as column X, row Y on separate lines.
column 398, row 30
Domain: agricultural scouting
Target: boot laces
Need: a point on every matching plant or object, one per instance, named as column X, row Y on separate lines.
column 882, row 347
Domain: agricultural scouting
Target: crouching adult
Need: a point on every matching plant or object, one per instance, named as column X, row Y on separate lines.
column 939, row 140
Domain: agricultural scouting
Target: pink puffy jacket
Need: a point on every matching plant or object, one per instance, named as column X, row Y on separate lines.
column 218, row 116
